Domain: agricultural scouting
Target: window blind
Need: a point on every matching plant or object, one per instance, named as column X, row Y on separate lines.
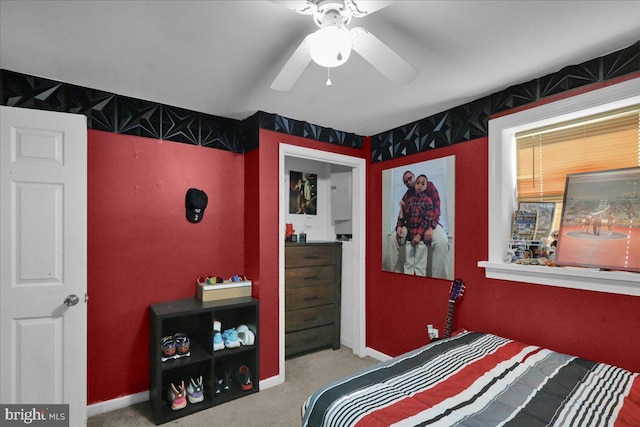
column 546, row 155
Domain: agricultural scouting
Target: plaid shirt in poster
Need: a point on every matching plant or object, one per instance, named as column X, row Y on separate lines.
column 421, row 211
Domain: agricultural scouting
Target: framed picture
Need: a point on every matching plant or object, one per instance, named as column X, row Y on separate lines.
column 546, row 215
column 418, row 206
column 600, row 224
column 303, row 193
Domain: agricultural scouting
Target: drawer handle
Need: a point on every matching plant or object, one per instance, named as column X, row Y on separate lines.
column 311, row 256
column 311, row 298
column 310, row 319
column 310, row 277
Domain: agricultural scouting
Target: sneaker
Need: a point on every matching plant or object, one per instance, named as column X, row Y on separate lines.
column 168, row 347
column 230, row 338
column 244, row 377
column 182, row 343
column 245, row 335
column 195, row 392
column 223, row 384
column 176, row 397
column 217, row 383
column 218, row 344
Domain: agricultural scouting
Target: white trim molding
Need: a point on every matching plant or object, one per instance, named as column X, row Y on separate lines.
column 117, row 403
column 358, row 166
column 502, row 191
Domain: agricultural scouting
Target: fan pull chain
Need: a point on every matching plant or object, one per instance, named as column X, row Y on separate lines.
column 329, row 77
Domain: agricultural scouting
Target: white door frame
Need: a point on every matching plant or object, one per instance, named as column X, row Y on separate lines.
column 359, row 237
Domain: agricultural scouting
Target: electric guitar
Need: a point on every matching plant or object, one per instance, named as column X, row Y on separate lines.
column 457, row 289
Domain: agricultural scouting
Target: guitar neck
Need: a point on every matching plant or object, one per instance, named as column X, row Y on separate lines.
column 449, row 322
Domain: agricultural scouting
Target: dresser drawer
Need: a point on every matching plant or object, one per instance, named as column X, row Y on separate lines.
column 310, row 276
column 309, row 339
column 309, row 255
column 309, row 297
column 305, row 318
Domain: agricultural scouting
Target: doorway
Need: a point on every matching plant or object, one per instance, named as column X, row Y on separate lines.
column 355, row 295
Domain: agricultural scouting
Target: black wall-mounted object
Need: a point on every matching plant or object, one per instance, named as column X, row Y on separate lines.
column 121, row 114
column 195, row 202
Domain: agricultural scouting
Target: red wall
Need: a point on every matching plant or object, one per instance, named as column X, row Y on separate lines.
column 141, row 248
column 594, row 325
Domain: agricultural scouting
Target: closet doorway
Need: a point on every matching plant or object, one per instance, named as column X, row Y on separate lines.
column 322, row 228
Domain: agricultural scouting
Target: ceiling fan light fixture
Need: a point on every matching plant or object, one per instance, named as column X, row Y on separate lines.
column 330, row 46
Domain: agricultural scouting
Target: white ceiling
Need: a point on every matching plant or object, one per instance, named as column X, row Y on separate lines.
column 220, row 57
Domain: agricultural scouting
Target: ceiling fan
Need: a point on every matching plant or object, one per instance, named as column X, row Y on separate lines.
column 331, row 45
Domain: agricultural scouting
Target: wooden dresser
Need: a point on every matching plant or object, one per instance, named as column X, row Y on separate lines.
column 312, row 296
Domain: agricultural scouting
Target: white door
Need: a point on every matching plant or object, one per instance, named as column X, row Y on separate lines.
column 43, row 273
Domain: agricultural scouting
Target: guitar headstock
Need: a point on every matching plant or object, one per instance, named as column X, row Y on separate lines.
column 457, row 289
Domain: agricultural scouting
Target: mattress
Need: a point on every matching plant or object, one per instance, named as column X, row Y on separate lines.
column 479, row 379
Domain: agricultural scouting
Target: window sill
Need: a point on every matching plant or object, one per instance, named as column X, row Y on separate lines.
column 618, row 282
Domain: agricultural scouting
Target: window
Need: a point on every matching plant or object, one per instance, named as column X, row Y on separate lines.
column 544, row 156
column 503, row 189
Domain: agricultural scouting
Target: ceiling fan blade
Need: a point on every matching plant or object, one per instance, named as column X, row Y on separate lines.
column 360, row 8
column 301, row 6
column 381, row 56
column 294, row 67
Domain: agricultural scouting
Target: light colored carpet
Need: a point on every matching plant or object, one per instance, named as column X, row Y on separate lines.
column 275, row 407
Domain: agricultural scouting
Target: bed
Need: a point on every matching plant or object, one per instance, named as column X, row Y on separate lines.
column 479, row 379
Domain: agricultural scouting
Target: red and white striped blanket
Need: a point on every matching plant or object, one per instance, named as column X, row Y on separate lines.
column 476, row 379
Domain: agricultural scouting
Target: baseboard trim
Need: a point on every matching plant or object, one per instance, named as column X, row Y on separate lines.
column 117, row 403
column 368, row 351
column 133, row 399
column 271, row 382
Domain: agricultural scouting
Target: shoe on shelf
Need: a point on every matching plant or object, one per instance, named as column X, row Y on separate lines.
column 217, row 383
column 217, row 326
column 245, row 335
column 230, row 338
column 182, row 343
column 168, row 346
column 244, row 377
column 176, row 397
column 218, row 344
column 222, row 384
column 195, row 392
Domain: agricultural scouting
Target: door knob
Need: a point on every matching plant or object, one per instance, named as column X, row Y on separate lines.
column 71, row 300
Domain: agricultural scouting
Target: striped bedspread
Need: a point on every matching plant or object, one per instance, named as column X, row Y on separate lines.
column 476, row 379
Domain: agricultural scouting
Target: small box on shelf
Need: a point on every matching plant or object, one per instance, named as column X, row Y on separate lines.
column 224, row 290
